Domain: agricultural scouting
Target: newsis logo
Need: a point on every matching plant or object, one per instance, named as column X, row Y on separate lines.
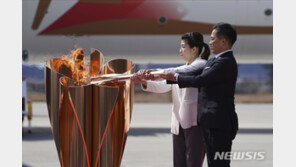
column 242, row 155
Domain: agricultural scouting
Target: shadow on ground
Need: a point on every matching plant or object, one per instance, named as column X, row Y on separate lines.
column 44, row 133
column 37, row 133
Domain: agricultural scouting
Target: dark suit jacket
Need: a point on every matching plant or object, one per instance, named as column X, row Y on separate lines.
column 216, row 83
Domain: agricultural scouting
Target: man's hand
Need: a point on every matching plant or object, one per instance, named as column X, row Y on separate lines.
column 169, row 76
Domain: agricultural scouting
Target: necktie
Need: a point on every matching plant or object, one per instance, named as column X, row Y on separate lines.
column 210, row 61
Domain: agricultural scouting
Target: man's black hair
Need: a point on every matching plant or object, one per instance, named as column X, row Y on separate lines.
column 225, row 30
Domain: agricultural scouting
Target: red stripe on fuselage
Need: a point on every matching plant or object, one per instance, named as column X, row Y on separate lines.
column 85, row 12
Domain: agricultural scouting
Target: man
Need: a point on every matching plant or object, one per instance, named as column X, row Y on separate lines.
column 216, row 82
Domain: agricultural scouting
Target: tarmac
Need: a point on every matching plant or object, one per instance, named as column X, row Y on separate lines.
column 149, row 143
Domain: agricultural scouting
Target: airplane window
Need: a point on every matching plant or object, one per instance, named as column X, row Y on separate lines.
column 162, row 20
column 268, row 12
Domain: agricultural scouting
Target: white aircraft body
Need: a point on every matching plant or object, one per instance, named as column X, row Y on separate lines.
column 145, row 31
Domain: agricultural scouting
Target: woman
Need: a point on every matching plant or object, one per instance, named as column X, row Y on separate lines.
column 187, row 139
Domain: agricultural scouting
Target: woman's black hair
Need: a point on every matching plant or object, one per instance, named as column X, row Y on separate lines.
column 195, row 39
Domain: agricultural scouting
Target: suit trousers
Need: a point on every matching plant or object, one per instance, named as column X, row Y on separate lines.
column 217, row 143
column 188, row 147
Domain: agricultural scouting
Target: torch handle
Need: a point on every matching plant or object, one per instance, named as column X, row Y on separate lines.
column 106, row 78
column 118, row 77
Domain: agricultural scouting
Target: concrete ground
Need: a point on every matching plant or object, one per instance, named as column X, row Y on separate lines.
column 149, row 143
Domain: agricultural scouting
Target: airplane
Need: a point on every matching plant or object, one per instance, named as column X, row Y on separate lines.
column 145, row 31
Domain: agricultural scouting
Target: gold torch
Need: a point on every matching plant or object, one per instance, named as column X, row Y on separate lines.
column 89, row 120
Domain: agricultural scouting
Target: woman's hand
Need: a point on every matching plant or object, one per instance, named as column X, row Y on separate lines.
column 169, row 76
column 142, row 75
column 139, row 76
column 150, row 76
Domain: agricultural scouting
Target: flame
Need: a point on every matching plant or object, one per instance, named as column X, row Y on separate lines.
column 81, row 70
column 73, row 66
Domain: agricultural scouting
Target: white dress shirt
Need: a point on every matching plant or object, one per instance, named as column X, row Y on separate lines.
column 184, row 100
